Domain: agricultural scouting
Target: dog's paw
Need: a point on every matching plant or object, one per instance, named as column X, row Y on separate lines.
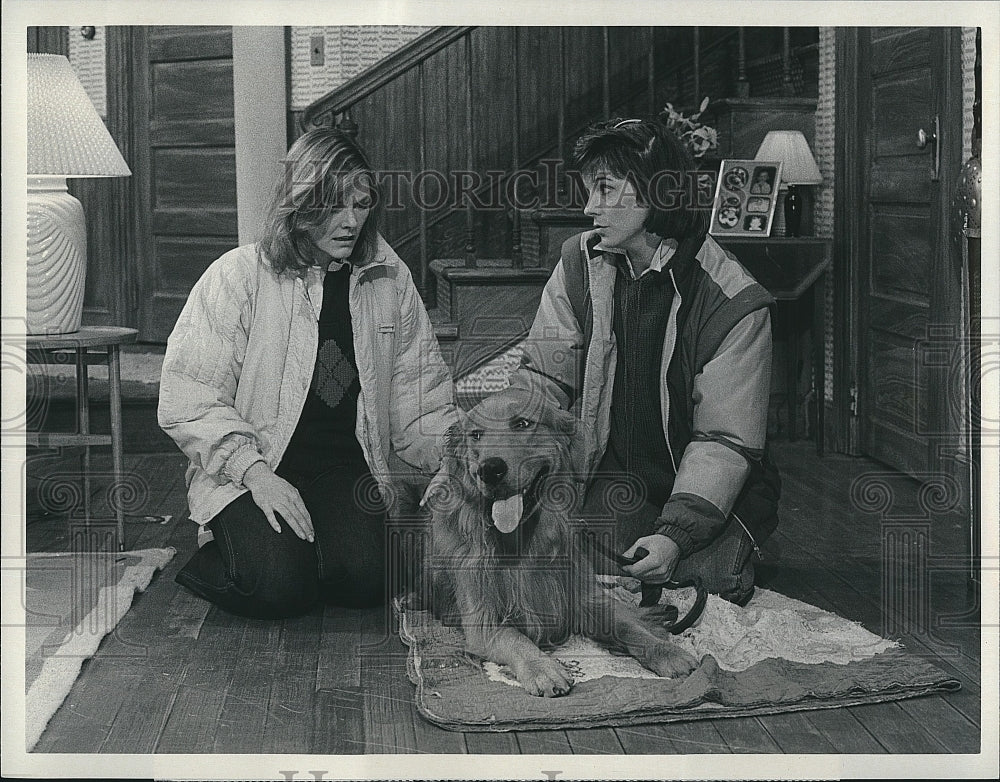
column 544, row 677
column 671, row 661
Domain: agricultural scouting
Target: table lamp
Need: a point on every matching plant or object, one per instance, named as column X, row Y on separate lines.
column 66, row 138
column 798, row 168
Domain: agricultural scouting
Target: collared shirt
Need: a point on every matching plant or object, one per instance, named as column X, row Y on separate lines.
column 661, row 256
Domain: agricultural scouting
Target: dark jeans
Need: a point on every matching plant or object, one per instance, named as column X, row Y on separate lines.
column 251, row 570
column 725, row 566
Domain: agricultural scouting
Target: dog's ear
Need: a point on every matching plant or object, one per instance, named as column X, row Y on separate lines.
column 452, row 458
column 454, row 437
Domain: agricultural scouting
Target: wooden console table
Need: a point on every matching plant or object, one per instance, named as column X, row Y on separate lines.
column 105, row 342
column 793, row 271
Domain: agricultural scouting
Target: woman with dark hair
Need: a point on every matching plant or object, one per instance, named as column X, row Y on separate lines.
column 673, row 344
column 299, row 367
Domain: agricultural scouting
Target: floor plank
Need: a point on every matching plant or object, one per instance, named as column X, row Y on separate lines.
column 244, row 708
column 594, row 741
column 338, row 722
column 483, row 743
column 388, row 727
column 84, row 720
column 290, row 709
column 844, row 732
column 211, row 667
column 746, row 735
column 648, row 740
column 434, row 740
column 954, row 730
column 795, row 734
column 339, row 657
column 543, row 742
column 895, row 730
column 163, row 658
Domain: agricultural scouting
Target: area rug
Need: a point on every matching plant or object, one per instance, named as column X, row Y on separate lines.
column 72, row 600
column 774, row 655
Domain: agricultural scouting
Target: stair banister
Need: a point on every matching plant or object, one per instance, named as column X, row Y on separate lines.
column 515, row 150
column 742, row 85
column 470, row 250
column 561, row 113
column 323, row 111
column 424, row 251
column 787, row 89
column 651, row 71
column 696, row 98
column 606, row 73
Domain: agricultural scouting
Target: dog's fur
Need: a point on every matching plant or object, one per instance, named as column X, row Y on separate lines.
column 533, row 586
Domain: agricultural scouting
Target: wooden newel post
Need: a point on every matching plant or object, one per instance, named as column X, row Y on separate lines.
column 742, row 85
column 787, row 87
column 348, row 127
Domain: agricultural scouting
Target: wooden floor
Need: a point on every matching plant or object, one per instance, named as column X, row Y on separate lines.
column 180, row 677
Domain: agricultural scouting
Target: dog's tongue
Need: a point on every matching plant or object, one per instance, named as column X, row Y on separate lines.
column 507, row 513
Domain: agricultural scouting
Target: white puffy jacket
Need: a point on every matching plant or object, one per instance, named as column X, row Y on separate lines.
column 240, row 360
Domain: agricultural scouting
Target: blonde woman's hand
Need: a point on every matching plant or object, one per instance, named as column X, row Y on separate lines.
column 276, row 496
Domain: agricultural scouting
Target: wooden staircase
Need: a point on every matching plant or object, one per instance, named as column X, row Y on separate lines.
column 471, row 128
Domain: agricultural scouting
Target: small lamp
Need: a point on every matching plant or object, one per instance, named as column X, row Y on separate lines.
column 798, row 168
column 66, row 138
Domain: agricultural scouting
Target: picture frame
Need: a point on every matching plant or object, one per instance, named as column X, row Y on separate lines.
column 746, row 194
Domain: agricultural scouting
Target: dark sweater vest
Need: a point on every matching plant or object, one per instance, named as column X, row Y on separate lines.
column 636, row 443
column 324, row 435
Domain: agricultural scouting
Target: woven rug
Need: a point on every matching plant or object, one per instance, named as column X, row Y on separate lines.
column 71, row 602
column 774, row 655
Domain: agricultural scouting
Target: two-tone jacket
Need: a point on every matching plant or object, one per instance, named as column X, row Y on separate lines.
column 715, row 367
column 240, row 360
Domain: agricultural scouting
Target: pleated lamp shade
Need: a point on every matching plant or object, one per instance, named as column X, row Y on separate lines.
column 66, row 138
column 791, row 148
column 798, row 167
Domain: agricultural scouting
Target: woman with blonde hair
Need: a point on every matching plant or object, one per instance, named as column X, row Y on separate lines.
column 299, row 367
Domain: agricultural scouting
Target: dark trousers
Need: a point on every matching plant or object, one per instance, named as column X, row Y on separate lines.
column 251, row 570
column 725, row 565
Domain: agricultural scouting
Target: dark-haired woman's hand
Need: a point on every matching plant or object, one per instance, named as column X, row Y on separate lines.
column 657, row 566
column 274, row 495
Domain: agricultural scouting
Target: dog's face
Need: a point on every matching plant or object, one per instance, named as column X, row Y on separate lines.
column 511, row 445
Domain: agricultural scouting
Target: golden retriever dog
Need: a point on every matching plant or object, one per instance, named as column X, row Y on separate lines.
column 505, row 562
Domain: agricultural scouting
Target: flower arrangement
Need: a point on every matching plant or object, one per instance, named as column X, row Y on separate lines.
column 697, row 137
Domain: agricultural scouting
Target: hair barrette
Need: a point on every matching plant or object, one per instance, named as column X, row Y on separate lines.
column 625, row 122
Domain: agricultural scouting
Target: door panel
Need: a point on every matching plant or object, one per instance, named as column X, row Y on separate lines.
column 901, row 242
column 904, row 245
column 191, row 175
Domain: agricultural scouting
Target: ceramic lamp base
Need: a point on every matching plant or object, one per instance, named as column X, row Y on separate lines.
column 778, row 227
column 793, row 211
column 57, row 257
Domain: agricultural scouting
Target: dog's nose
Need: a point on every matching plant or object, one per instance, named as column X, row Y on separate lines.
column 492, row 470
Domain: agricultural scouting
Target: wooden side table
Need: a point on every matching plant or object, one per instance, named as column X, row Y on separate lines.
column 90, row 345
column 792, row 269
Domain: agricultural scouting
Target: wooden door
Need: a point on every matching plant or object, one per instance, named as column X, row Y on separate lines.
column 907, row 279
column 178, row 114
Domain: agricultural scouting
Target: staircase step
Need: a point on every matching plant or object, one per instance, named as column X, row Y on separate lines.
column 444, row 329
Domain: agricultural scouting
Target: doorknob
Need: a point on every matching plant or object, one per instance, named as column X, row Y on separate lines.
column 933, row 138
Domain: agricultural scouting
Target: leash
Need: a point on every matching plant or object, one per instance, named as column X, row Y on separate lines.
column 651, row 593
